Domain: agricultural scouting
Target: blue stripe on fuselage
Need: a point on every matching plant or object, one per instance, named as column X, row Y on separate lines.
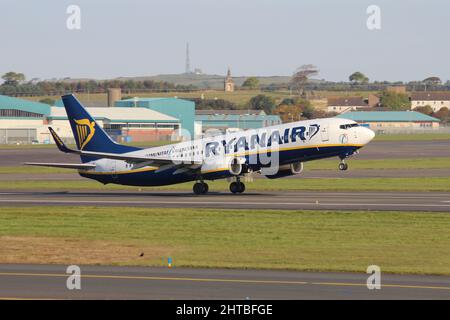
column 166, row 177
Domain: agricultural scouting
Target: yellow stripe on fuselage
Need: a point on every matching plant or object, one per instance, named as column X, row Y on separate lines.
column 119, row 172
column 246, row 153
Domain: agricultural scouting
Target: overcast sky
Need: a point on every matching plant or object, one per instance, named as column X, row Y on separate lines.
column 254, row 37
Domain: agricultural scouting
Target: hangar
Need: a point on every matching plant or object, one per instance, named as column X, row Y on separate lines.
column 23, row 121
column 181, row 109
column 392, row 120
column 122, row 124
column 231, row 120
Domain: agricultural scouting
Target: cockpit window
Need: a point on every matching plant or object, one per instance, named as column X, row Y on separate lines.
column 349, row 125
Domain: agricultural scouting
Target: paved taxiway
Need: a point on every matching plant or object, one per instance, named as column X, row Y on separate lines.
column 402, row 201
column 306, row 174
column 49, row 282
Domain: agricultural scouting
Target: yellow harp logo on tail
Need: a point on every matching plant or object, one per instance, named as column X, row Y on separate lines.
column 85, row 132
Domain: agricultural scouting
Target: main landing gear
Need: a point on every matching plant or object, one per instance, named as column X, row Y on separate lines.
column 237, row 186
column 200, row 188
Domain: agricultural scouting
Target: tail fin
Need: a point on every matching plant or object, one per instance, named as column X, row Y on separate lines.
column 88, row 134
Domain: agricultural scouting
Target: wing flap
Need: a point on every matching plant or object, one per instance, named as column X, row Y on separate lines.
column 78, row 166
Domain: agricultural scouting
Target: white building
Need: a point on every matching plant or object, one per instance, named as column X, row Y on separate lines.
column 435, row 99
column 345, row 104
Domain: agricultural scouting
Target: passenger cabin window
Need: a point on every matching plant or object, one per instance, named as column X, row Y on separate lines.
column 347, row 126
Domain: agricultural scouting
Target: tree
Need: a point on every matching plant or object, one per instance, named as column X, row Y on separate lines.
column 202, row 104
column 432, row 81
column 288, row 112
column 395, row 101
column 301, row 76
column 295, row 110
column 48, row 101
column 13, row 78
column 358, row 78
column 251, row 83
column 308, row 111
column 262, row 102
column 442, row 114
column 425, row 110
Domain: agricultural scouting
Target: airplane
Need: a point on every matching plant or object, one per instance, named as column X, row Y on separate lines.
column 274, row 151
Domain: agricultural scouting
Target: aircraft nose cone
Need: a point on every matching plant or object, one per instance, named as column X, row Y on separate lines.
column 368, row 135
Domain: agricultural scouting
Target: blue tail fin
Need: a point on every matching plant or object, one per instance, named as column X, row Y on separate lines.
column 89, row 136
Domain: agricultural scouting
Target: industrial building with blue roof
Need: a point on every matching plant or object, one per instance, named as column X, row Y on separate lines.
column 379, row 120
column 184, row 110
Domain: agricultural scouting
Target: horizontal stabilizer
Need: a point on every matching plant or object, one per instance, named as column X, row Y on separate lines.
column 78, row 166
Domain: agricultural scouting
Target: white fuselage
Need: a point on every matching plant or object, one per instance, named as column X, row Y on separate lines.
column 292, row 142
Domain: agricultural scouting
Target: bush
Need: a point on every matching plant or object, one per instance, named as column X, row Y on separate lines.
column 262, row 102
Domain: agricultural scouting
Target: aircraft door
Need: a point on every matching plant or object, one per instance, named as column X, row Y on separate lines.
column 324, row 132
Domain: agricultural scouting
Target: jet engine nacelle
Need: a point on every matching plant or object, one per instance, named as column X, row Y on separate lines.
column 236, row 166
column 233, row 166
column 287, row 170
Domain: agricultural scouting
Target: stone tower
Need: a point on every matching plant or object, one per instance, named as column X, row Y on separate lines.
column 229, row 83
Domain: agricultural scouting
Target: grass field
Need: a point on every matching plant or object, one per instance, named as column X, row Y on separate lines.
column 326, row 184
column 301, row 240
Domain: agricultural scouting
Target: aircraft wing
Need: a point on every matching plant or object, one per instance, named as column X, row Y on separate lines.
column 116, row 156
column 78, row 166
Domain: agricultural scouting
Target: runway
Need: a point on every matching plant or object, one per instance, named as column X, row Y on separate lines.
column 374, row 150
column 397, row 201
column 97, row 282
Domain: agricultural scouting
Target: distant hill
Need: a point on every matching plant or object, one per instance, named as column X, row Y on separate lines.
column 206, row 81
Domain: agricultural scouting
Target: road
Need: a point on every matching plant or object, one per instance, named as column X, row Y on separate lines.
column 97, row 282
column 401, row 201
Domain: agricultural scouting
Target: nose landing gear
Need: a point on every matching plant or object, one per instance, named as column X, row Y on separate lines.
column 343, row 166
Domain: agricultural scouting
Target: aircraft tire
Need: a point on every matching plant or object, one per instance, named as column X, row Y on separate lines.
column 205, row 188
column 199, row 188
column 241, row 187
column 234, row 187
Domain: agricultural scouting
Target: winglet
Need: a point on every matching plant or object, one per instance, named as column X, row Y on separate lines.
column 59, row 143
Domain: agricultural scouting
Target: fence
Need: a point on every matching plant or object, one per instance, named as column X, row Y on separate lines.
column 412, row 131
column 17, row 136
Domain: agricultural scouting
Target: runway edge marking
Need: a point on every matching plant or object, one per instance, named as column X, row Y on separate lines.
column 222, row 280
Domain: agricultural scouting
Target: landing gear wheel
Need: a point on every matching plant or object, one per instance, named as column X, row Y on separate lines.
column 200, row 188
column 237, row 187
column 343, row 166
column 241, row 187
column 234, row 188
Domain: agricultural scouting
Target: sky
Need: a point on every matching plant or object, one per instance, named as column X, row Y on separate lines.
column 253, row 37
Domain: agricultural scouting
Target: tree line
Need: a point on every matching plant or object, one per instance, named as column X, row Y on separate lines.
column 15, row 84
